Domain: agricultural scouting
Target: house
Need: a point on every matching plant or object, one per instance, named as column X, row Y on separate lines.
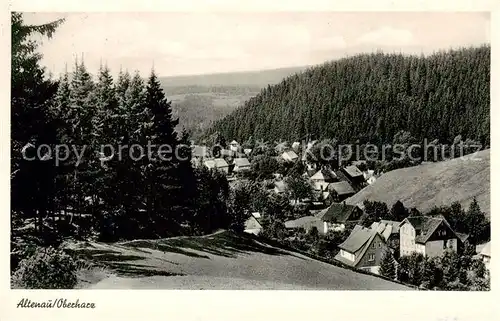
column 247, row 151
column 322, row 178
column 428, row 235
column 485, row 255
column 296, row 146
column 338, row 215
column 307, row 223
column 241, row 165
column 289, row 156
column 281, row 147
column 253, row 224
column 217, row 163
column 363, row 249
column 279, row 187
column 339, row 191
column 234, row 146
column 389, row 231
column 354, row 175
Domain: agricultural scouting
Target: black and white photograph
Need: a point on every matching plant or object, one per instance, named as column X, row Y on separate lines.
column 280, row 150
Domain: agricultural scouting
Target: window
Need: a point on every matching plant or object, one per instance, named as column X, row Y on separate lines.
column 379, row 245
column 371, row 257
column 374, row 245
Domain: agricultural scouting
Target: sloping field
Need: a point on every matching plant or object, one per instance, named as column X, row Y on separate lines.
column 441, row 183
column 218, row 261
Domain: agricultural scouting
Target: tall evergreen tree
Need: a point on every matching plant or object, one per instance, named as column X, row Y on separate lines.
column 388, row 265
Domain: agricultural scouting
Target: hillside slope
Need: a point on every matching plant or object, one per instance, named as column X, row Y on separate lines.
column 219, row 261
column 258, row 78
column 371, row 97
column 431, row 184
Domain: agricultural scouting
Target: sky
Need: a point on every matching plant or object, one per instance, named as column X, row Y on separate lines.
column 203, row 43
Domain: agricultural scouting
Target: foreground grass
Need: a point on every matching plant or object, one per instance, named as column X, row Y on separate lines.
column 219, row 261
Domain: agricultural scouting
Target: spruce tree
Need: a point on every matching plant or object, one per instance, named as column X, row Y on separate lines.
column 388, row 265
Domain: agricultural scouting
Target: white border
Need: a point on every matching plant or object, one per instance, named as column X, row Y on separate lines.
column 246, row 305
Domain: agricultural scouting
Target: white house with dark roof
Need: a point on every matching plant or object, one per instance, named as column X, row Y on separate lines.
column 234, row 145
column 363, row 249
column 430, row 236
column 322, row 178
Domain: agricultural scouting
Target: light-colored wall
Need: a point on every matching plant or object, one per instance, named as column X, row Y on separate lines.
column 347, row 255
column 333, row 227
column 437, row 248
column 320, row 185
column 406, row 239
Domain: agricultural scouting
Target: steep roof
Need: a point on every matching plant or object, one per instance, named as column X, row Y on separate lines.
column 337, row 212
column 241, row 162
column 216, row 163
column 233, row 143
column 341, row 188
column 360, row 240
column 290, row 153
column 324, row 175
column 304, row 222
column 353, row 171
column 425, row 226
column 252, row 223
column 386, row 228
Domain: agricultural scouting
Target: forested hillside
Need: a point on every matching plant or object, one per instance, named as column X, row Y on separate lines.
column 371, row 97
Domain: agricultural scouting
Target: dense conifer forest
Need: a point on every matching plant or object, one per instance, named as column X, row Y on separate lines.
column 371, row 97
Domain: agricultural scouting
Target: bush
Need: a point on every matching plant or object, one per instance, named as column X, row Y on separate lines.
column 47, row 268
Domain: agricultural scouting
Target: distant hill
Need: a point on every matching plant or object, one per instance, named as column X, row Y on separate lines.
column 434, row 184
column 260, row 78
column 199, row 100
column 370, row 97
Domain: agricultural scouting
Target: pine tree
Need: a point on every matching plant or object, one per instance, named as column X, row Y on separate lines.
column 388, row 265
column 32, row 182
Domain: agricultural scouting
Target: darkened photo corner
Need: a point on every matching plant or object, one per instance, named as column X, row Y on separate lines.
column 263, row 151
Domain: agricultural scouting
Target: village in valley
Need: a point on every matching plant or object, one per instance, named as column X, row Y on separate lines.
column 324, row 210
column 366, row 168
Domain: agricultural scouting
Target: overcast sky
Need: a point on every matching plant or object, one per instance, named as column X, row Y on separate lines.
column 199, row 43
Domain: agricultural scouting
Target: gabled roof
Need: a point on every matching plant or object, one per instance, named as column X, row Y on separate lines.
column 304, row 222
column 233, row 143
column 341, row 188
column 462, row 236
column 360, row 240
column 290, row 154
column 353, row 171
column 386, row 228
column 337, row 212
column 241, row 162
column 252, row 223
column 324, row 175
column 216, row 163
column 247, row 151
column 425, row 226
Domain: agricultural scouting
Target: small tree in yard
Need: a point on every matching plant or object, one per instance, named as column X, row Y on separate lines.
column 388, row 265
column 298, row 188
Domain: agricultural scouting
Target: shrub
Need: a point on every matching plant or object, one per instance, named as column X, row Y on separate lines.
column 47, row 268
